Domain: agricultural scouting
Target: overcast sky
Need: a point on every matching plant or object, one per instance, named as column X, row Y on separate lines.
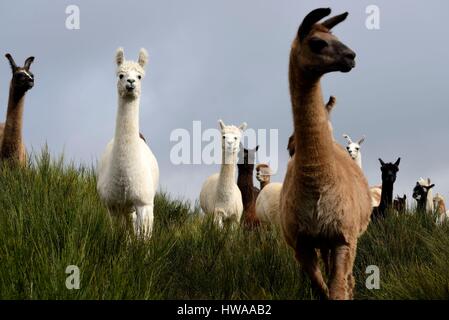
column 229, row 60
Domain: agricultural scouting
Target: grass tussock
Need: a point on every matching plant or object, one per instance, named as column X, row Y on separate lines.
column 51, row 217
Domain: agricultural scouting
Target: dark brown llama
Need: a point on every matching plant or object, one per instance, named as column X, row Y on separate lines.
column 389, row 172
column 245, row 183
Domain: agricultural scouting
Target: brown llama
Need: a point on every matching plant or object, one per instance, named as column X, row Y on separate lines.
column 325, row 200
column 11, row 141
column 245, row 183
column 329, row 106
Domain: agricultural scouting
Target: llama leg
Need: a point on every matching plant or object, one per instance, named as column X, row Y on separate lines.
column 325, row 255
column 351, row 279
column 342, row 267
column 308, row 258
column 218, row 218
column 144, row 221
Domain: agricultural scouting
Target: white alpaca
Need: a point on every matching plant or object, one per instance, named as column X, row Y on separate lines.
column 128, row 173
column 355, row 153
column 429, row 200
column 220, row 196
column 354, row 149
column 267, row 202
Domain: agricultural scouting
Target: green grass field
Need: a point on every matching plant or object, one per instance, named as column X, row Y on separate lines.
column 51, row 217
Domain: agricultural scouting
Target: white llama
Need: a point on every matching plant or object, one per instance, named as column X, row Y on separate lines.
column 220, row 196
column 128, row 173
column 354, row 149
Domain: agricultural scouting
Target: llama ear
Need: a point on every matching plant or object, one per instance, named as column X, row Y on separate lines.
column 331, row 104
column 143, row 57
column 12, row 63
column 221, row 123
column 242, row 127
column 361, row 140
column 120, row 56
column 382, row 163
column 312, row 18
column 397, row 162
column 332, row 22
column 348, row 138
column 28, row 63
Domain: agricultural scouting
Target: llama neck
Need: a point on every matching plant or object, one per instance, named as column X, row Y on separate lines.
column 12, row 137
column 429, row 201
column 227, row 171
column 264, row 183
column 422, row 204
column 358, row 160
column 245, row 184
column 386, row 197
column 127, row 122
column 314, row 145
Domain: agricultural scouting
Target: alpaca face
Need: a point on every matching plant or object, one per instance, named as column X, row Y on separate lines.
column 389, row 170
column 317, row 50
column 231, row 136
column 247, row 157
column 353, row 148
column 130, row 74
column 420, row 191
column 22, row 77
column 263, row 173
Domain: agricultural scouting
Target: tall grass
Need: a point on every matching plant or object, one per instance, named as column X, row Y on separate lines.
column 51, row 217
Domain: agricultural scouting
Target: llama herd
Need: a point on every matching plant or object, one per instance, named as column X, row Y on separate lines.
column 323, row 205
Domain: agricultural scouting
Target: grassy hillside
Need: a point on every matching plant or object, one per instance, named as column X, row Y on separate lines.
column 51, row 217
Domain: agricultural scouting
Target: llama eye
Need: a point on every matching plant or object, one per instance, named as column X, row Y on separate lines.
column 121, row 76
column 139, row 77
column 316, row 44
column 235, row 138
column 224, row 137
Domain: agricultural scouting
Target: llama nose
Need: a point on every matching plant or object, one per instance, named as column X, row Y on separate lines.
column 350, row 54
column 131, row 81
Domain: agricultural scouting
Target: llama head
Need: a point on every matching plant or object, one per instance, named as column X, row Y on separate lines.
column 353, row 147
column 263, row 172
column 420, row 191
column 317, row 50
column 400, row 203
column 231, row 137
column 389, row 170
column 247, row 157
column 130, row 74
column 22, row 77
column 438, row 200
